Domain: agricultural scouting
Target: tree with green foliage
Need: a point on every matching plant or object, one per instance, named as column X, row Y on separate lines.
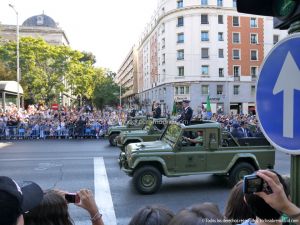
column 48, row 70
column 6, row 74
column 106, row 91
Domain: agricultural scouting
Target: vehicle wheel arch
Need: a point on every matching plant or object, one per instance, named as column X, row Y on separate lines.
column 154, row 163
column 241, row 167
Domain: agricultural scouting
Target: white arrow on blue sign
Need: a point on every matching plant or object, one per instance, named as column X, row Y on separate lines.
column 278, row 95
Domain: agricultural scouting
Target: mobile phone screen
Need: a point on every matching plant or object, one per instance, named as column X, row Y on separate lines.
column 72, row 198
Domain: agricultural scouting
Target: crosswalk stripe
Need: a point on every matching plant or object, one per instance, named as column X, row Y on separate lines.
column 102, row 192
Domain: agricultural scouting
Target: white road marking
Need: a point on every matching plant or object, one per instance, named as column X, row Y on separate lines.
column 47, row 159
column 2, row 145
column 102, row 192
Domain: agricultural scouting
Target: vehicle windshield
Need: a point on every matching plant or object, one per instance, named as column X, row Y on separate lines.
column 172, row 133
column 148, row 125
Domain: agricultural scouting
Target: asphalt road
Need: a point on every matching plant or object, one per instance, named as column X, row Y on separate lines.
column 74, row 164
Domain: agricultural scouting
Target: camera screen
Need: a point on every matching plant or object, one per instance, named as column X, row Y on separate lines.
column 254, row 184
column 72, row 198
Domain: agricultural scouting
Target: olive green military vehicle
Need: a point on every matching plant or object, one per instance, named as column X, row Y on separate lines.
column 178, row 154
column 151, row 132
column 134, row 123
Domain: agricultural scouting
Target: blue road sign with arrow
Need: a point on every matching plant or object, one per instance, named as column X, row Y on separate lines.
column 278, row 95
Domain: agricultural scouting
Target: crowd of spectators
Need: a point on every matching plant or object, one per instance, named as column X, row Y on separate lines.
column 40, row 122
column 240, row 125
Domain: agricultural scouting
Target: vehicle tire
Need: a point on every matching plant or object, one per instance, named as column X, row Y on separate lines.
column 147, row 180
column 112, row 140
column 239, row 171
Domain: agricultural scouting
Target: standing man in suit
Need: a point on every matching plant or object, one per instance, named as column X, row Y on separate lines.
column 187, row 113
column 156, row 110
column 244, row 130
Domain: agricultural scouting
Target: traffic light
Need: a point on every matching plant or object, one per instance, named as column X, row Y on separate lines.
column 285, row 12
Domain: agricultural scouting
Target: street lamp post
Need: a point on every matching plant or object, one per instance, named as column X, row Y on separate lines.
column 18, row 56
column 120, row 95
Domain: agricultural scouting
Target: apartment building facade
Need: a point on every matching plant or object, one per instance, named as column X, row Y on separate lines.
column 197, row 48
column 127, row 78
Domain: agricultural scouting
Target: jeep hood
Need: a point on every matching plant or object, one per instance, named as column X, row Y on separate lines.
column 153, row 146
column 134, row 133
column 117, row 128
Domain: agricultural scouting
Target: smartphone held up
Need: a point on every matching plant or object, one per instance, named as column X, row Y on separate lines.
column 72, row 198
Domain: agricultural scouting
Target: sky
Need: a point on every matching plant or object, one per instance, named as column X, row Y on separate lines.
column 107, row 28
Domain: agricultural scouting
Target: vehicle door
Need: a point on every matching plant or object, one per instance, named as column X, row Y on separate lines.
column 190, row 157
column 218, row 157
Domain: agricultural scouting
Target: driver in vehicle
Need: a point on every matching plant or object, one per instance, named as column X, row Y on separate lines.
column 198, row 140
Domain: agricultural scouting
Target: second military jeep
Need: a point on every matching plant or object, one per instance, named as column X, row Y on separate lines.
column 151, row 132
column 134, row 123
column 173, row 155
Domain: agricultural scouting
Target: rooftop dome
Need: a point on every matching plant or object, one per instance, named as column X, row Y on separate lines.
column 40, row 21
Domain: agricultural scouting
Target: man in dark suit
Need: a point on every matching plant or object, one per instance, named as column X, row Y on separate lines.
column 244, row 130
column 156, row 111
column 187, row 113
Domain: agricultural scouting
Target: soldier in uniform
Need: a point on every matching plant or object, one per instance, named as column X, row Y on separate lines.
column 187, row 113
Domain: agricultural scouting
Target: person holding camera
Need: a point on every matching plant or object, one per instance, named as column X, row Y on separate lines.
column 268, row 198
column 53, row 209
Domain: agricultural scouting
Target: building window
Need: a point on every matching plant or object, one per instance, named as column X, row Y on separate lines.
column 252, row 90
column 180, row 21
column 219, row 89
column 235, row 21
column 40, row 20
column 182, row 90
column 253, row 71
column 179, row 3
column 204, row 70
column 221, row 53
column 221, row 72
column 163, row 42
column 236, row 38
column 254, row 55
column 236, row 53
column 236, row 89
column 234, row 3
column 220, row 36
column 253, row 22
column 162, row 28
column 236, row 71
column 163, row 61
column 204, row 19
column 204, row 2
column 253, row 39
column 204, row 36
column 220, row 19
column 176, row 91
column 220, row 3
column 204, row 53
column 180, row 38
column 204, row 89
column 275, row 39
column 180, row 54
column 180, row 71
column 187, row 90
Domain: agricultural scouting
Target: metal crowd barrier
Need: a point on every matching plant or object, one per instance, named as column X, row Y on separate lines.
column 44, row 132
